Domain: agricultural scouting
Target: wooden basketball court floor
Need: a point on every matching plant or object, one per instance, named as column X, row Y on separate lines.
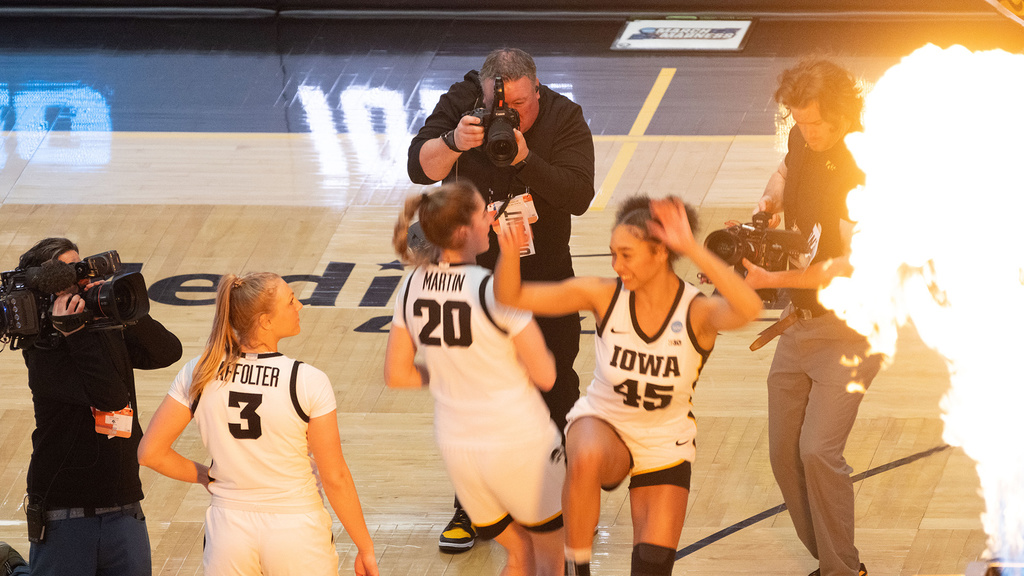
column 189, row 205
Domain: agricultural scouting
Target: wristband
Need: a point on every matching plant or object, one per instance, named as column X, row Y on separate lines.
column 449, row 140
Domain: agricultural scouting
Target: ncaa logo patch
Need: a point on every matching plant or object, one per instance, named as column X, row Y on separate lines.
column 677, row 326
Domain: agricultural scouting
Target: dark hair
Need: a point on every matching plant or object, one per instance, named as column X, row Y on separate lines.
column 510, row 64
column 441, row 212
column 833, row 87
column 45, row 250
column 635, row 213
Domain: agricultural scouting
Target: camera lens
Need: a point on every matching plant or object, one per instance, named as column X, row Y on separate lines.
column 122, row 298
column 725, row 245
column 501, row 142
column 502, row 152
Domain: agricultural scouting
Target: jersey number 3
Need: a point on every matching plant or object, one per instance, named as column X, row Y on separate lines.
column 250, row 428
column 453, row 318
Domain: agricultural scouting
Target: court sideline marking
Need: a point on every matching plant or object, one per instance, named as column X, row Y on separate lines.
column 782, row 507
column 643, row 120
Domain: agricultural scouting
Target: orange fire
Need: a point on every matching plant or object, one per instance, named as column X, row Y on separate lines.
column 938, row 244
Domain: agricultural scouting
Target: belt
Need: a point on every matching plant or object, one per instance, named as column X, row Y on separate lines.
column 70, row 513
column 808, row 313
column 796, row 313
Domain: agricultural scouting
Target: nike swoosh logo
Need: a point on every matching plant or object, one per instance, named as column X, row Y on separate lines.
column 678, row 443
column 614, row 331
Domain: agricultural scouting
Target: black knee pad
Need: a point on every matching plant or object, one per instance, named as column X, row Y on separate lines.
column 652, row 560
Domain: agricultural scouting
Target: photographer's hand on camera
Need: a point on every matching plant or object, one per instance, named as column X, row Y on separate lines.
column 67, row 309
column 469, row 133
column 524, row 150
column 815, row 276
column 767, row 205
column 757, row 277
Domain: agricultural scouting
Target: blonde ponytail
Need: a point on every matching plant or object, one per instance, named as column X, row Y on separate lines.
column 240, row 302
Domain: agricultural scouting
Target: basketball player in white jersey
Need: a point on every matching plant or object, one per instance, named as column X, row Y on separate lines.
column 260, row 415
column 654, row 334
column 486, row 365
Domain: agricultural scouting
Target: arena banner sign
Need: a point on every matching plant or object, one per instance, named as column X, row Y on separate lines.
column 695, row 34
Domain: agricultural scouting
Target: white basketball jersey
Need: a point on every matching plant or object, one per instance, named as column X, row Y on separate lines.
column 482, row 394
column 254, row 426
column 648, row 380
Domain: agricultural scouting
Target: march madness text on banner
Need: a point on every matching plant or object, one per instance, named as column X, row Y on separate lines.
column 683, row 35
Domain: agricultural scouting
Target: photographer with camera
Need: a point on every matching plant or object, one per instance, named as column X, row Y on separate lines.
column 84, row 493
column 545, row 177
column 821, row 367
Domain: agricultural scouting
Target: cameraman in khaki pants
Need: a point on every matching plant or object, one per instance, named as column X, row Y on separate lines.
column 821, row 369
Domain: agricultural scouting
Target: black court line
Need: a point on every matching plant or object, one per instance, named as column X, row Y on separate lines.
column 782, row 507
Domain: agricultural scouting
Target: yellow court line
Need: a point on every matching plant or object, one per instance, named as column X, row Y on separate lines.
column 643, row 120
column 614, row 174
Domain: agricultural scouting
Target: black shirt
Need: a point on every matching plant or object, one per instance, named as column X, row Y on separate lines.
column 559, row 173
column 817, row 184
column 72, row 465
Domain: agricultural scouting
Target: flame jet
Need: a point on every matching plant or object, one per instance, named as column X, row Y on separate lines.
column 938, row 244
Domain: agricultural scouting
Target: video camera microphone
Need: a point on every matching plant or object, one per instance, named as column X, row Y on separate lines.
column 51, row 277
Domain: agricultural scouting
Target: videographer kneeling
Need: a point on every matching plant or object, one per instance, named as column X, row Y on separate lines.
column 84, row 493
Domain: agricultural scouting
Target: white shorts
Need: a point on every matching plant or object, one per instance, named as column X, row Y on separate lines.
column 651, row 448
column 242, row 543
column 523, row 480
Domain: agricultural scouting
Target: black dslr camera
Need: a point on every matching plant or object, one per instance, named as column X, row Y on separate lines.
column 762, row 245
column 27, row 295
column 498, row 122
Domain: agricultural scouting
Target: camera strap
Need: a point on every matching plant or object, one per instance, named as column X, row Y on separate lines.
column 70, row 323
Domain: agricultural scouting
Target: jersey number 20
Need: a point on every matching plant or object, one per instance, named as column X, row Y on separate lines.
column 453, row 318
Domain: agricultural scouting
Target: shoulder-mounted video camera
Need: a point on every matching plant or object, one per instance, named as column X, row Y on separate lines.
column 763, row 246
column 499, row 123
column 27, row 295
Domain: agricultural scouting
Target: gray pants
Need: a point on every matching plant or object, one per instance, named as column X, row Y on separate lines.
column 810, row 415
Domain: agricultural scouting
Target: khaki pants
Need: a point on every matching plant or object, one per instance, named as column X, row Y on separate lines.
column 810, row 415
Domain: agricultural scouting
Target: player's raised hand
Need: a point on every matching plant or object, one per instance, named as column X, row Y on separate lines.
column 671, row 225
column 513, row 238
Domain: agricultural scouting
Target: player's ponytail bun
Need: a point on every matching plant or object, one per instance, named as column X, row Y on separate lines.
column 400, row 238
column 441, row 212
